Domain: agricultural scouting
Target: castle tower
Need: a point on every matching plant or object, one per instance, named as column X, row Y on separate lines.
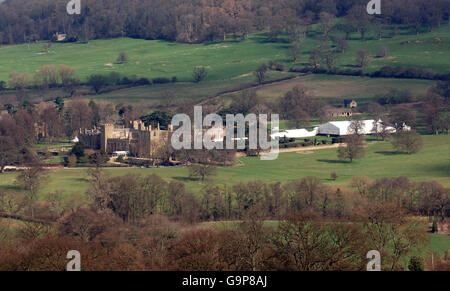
column 106, row 133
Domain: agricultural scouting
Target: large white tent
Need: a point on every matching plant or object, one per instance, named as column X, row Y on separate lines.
column 335, row 128
column 295, row 133
column 342, row 128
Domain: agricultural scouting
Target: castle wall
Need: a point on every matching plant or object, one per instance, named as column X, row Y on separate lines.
column 90, row 140
column 138, row 140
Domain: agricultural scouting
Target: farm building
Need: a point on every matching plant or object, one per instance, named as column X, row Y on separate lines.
column 338, row 112
column 342, row 128
column 349, row 103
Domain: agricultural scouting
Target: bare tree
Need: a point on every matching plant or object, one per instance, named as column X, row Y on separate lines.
column 341, row 44
column 363, row 58
column 260, row 73
column 202, row 171
column 353, row 148
column 199, row 74
column 295, row 51
column 383, row 51
column 47, row 46
column 327, row 22
column 31, row 180
column 8, row 152
column 356, row 127
column 401, row 116
column 410, row 142
column 122, row 58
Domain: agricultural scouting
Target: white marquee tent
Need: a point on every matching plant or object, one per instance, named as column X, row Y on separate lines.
column 295, row 133
column 342, row 128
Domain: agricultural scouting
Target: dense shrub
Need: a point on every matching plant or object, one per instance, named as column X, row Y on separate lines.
column 395, row 96
column 276, row 66
column 300, row 70
column 410, row 72
column 161, row 80
column 126, row 81
column 143, row 82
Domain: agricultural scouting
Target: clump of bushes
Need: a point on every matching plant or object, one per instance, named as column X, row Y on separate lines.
column 161, row 80
column 396, row 96
column 199, row 74
column 122, row 58
column 410, row 72
column 276, row 66
column 143, row 82
column 383, row 51
column 384, row 72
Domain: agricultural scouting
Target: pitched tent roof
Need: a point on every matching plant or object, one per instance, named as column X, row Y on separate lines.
column 343, row 127
column 295, row 133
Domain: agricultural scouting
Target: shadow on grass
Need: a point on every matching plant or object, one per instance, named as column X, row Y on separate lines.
column 9, row 188
column 186, row 179
column 83, row 180
column 334, row 161
column 350, row 66
column 390, row 153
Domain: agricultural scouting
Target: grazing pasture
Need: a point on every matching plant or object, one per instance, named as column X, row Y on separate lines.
column 432, row 163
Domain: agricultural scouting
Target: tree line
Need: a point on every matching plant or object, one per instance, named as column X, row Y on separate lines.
column 134, row 197
column 145, row 223
column 197, row 21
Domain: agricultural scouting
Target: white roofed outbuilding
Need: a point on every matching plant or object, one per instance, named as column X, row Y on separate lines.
column 120, row 153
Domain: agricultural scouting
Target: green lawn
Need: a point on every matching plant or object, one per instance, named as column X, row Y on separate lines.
column 440, row 243
column 230, row 65
column 337, row 88
column 147, row 58
column 150, row 95
column 432, row 163
column 226, row 61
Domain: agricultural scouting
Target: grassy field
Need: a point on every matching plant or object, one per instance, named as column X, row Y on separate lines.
column 426, row 50
column 230, row 65
column 439, row 243
column 227, row 60
column 337, row 88
column 149, row 95
column 147, row 58
column 432, row 163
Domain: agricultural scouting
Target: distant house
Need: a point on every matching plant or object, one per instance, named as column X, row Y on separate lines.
column 338, row 112
column 444, row 227
column 60, row 37
column 349, row 103
column 120, row 153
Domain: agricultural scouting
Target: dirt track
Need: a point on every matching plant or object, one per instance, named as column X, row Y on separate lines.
column 302, row 149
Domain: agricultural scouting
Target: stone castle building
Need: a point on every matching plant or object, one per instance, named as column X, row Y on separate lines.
column 137, row 139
